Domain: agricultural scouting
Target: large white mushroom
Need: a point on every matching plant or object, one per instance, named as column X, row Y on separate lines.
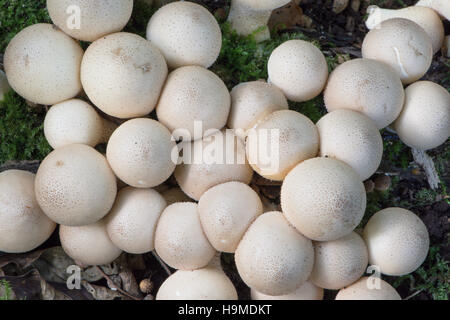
column 440, row 6
column 367, row 289
column 186, row 33
column 4, row 85
column 307, row 291
column 23, row 225
column 90, row 20
column 43, row 64
column 123, row 75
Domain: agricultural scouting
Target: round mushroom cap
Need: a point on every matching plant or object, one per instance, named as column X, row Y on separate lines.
column 4, row 85
column 442, row 7
column 89, row 244
column 140, row 153
column 43, row 64
column 339, row 263
column 353, row 138
column 186, row 33
column 323, row 198
column 299, row 69
column 131, row 224
column 180, row 240
column 264, row 5
column 366, row 288
column 23, row 225
column 425, row 120
column 204, row 284
column 226, row 212
column 123, row 75
column 399, row 233
column 193, row 97
column 280, row 142
column 307, row 291
column 252, row 102
column 73, row 121
column 403, row 45
column 90, row 20
column 205, row 166
column 75, row 186
column 367, row 86
column 273, row 258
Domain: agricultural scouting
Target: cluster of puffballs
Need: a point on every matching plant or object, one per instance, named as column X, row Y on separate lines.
column 114, row 203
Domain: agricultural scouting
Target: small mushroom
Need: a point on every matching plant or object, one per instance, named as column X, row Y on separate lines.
column 427, row 18
column 353, row 138
column 89, row 245
column 442, row 7
column 43, row 64
column 299, row 69
column 307, row 291
column 366, row 289
column 186, row 33
column 23, row 225
column 285, row 138
column 180, row 240
column 367, row 86
column 425, row 120
column 399, row 233
column 4, row 85
column 252, row 102
column 252, row 16
column 193, row 95
column 75, row 186
column 339, row 263
column 140, row 153
column 323, row 198
column 226, row 212
column 90, row 20
column 402, row 44
column 131, row 224
column 123, row 75
column 272, row 257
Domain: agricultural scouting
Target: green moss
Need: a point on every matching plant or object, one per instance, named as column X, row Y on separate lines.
column 6, row 290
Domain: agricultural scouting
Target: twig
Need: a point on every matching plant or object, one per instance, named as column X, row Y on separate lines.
column 163, row 265
column 115, row 286
column 424, row 160
column 413, row 295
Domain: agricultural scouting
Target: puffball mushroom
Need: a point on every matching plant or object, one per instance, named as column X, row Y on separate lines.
column 397, row 241
column 186, row 33
column 193, row 95
column 272, row 257
column 403, row 45
column 353, row 138
column 123, row 75
column 299, row 69
column 252, row 102
column 23, row 225
column 426, row 18
column 208, row 283
column 131, row 224
column 226, row 212
column 214, row 160
column 368, row 86
column 339, row 263
column 440, row 6
column 42, row 64
column 323, row 198
column 89, row 244
column 74, row 121
column 425, row 120
column 285, row 138
column 366, row 289
column 75, row 185
column 180, row 240
column 4, row 85
column 140, row 153
column 252, row 16
column 307, row 291
column 90, row 20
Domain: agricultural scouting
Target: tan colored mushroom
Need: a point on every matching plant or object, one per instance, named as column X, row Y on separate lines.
column 425, row 120
column 123, row 75
column 90, row 20
column 402, row 44
column 23, row 225
column 43, row 64
column 75, row 185
column 4, row 85
column 186, row 33
column 323, row 198
column 307, row 291
column 367, row 86
column 440, row 6
column 366, row 289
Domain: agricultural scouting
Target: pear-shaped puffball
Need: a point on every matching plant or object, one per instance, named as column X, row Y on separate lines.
column 369, row 288
column 307, row 291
